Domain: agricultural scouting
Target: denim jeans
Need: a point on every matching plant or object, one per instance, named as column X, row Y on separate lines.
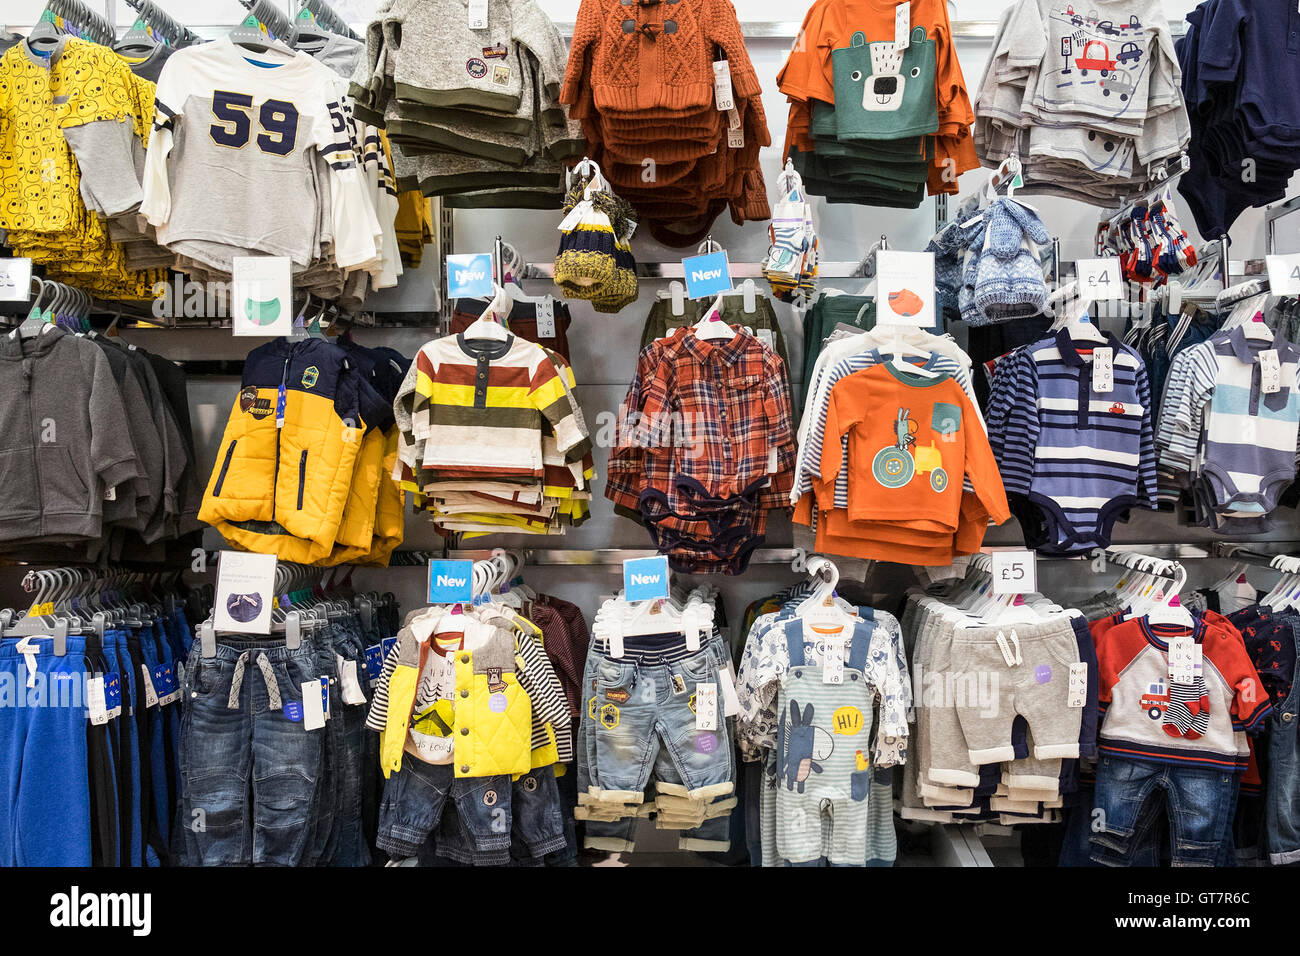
column 639, row 724
column 349, row 846
column 322, row 833
column 1282, row 786
column 416, row 802
column 249, row 766
column 1130, row 794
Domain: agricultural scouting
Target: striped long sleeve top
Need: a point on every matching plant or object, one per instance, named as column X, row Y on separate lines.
column 479, row 406
column 1079, row 455
column 1217, row 421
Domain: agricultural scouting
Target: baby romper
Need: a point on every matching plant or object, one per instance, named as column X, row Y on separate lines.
column 823, row 753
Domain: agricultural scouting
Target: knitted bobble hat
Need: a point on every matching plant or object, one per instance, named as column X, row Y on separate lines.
column 1009, row 278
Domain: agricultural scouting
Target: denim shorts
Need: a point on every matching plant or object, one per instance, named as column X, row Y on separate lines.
column 249, row 767
column 1128, row 799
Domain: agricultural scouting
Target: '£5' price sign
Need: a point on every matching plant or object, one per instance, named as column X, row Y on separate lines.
column 1014, row 572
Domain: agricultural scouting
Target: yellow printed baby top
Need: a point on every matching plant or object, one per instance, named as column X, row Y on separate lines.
column 78, row 83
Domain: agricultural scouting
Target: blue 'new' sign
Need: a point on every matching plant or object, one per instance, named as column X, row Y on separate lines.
column 645, row 579
column 469, row 277
column 451, row 582
column 707, row 275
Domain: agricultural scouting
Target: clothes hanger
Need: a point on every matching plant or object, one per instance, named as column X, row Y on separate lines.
column 308, row 34
column 1165, row 611
column 487, row 327
column 138, row 41
column 45, row 35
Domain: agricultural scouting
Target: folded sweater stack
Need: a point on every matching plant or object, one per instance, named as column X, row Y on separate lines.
column 1087, row 103
column 641, row 82
column 473, row 114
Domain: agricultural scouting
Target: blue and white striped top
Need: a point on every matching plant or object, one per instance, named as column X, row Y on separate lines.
column 1080, row 456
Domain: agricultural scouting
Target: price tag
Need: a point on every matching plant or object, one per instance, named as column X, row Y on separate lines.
column 735, row 138
column 1182, row 664
column 1103, row 369
column 1283, row 274
column 15, row 279
column 546, row 318
column 111, row 494
column 313, row 710
column 1014, row 572
column 765, row 336
column 478, row 14
column 706, row 706
column 1099, row 279
column 1270, row 372
column 730, row 699
column 349, row 686
column 150, row 695
column 722, row 85
column 96, row 707
column 1078, row 695
column 833, row 660
column 903, row 25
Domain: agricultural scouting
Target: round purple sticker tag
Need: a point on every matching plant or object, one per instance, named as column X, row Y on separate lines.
column 1043, row 673
column 293, row 710
column 706, row 742
column 497, row 703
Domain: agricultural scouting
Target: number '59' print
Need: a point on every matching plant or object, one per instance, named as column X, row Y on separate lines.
column 277, row 118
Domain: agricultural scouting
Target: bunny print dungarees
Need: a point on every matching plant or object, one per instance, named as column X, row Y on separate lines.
column 823, row 753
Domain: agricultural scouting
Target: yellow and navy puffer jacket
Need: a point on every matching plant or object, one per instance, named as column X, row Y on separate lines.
column 283, row 489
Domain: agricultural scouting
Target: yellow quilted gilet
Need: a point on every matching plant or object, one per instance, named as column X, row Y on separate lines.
column 493, row 714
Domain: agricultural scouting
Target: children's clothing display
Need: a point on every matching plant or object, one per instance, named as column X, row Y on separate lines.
column 303, row 469
column 1245, row 125
column 872, row 120
column 1226, row 434
column 641, row 81
column 472, row 110
column 1076, row 450
column 98, row 451
column 705, row 446
column 883, row 443
column 491, row 437
column 1088, row 103
column 909, row 678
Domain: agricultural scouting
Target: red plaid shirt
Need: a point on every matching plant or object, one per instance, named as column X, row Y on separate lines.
column 716, row 413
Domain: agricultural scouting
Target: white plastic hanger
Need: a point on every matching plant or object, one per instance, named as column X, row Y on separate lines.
column 1165, row 611
column 487, row 326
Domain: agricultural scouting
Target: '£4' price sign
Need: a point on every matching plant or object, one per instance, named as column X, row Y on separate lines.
column 1014, row 572
column 1099, row 279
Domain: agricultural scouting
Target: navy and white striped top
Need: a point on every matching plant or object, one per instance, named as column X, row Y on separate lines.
column 1080, row 456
